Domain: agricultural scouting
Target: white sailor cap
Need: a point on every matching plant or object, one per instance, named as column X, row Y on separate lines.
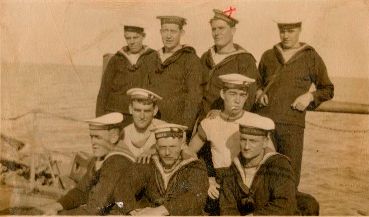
column 106, row 122
column 255, row 125
column 236, row 81
column 169, row 130
column 288, row 20
column 139, row 93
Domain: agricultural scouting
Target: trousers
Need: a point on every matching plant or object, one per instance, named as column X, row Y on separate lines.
column 289, row 140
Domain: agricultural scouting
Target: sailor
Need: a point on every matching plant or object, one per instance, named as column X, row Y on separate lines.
column 225, row 57
column 287, row 72
column 221, row 131
column 174, row 182
column 178, row 75
column 260, row 181
column 95, row 193
column 128, row 68
column 138, row 140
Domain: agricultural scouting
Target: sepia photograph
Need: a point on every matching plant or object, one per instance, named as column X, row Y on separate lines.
column 184, row 107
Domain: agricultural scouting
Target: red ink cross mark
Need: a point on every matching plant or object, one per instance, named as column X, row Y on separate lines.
column 229, row 11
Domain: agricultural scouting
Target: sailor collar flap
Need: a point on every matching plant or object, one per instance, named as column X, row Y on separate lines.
column 211, row 52
column 241, row 178
column 174, row 57
column 124, row 51
column 277, row 50
column 166, row 177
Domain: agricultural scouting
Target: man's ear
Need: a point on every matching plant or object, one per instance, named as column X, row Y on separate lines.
column 130, row 108
column 156, row 109
column 266, row 142
column 182, row 32
column 114, row 135
column 233, row 30
column 222, row 93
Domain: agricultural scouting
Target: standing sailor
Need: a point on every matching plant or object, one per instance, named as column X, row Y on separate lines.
column 287, row 72
column 128, row 68
column 178, row 76
column 225, row 57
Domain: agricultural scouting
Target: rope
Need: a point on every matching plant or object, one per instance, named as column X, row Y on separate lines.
column 37, row 111
column 335, row 129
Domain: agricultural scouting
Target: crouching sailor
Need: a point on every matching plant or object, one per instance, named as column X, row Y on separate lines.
column 260, row 181
column 174, row 183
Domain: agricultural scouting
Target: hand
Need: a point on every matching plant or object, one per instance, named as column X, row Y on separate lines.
column 261, row 98
column 213, row 191
column 303, row 101
column 213, row 114
column 51, row 208
column 146, row 156
column 149, row 211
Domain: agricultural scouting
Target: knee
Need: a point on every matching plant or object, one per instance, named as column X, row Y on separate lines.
column 307, row 204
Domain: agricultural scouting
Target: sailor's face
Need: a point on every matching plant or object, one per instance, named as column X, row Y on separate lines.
column 222, row 33
column 170, row 35
column 134, row 41
column 100, row 141
column 142, row 114
column 252, row 146
column 289, row 37
column 169, row 150
column 234, row 100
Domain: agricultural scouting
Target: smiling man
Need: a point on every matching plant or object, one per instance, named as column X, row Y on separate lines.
column 222, row 58
column 221, row 132
column 138, row 139
column 178, row 75
column 175, row 183
column 128, row 68
column 287, row 72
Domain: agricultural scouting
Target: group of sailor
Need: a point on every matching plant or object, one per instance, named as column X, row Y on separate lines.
column 176, row 134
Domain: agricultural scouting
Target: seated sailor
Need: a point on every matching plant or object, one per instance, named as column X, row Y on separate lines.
column 260, row 181
column 95, row 193
column 174, row 182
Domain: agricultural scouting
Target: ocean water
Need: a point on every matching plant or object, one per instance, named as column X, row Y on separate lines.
column 336, row 154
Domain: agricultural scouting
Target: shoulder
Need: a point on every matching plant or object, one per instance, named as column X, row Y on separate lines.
column 210, row 121
column 312, row 52
column 117, row 162
column 245, row 57
column 196, row 167
column 190, row 53
column 279, row 166
column 206, row 54
column 151, row 53
column 268, row 53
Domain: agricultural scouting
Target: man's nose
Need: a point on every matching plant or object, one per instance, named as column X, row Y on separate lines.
column 237, row 99
column 166, row 151
column 142, row 115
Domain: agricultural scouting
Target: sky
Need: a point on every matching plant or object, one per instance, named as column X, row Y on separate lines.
column 80, row 32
